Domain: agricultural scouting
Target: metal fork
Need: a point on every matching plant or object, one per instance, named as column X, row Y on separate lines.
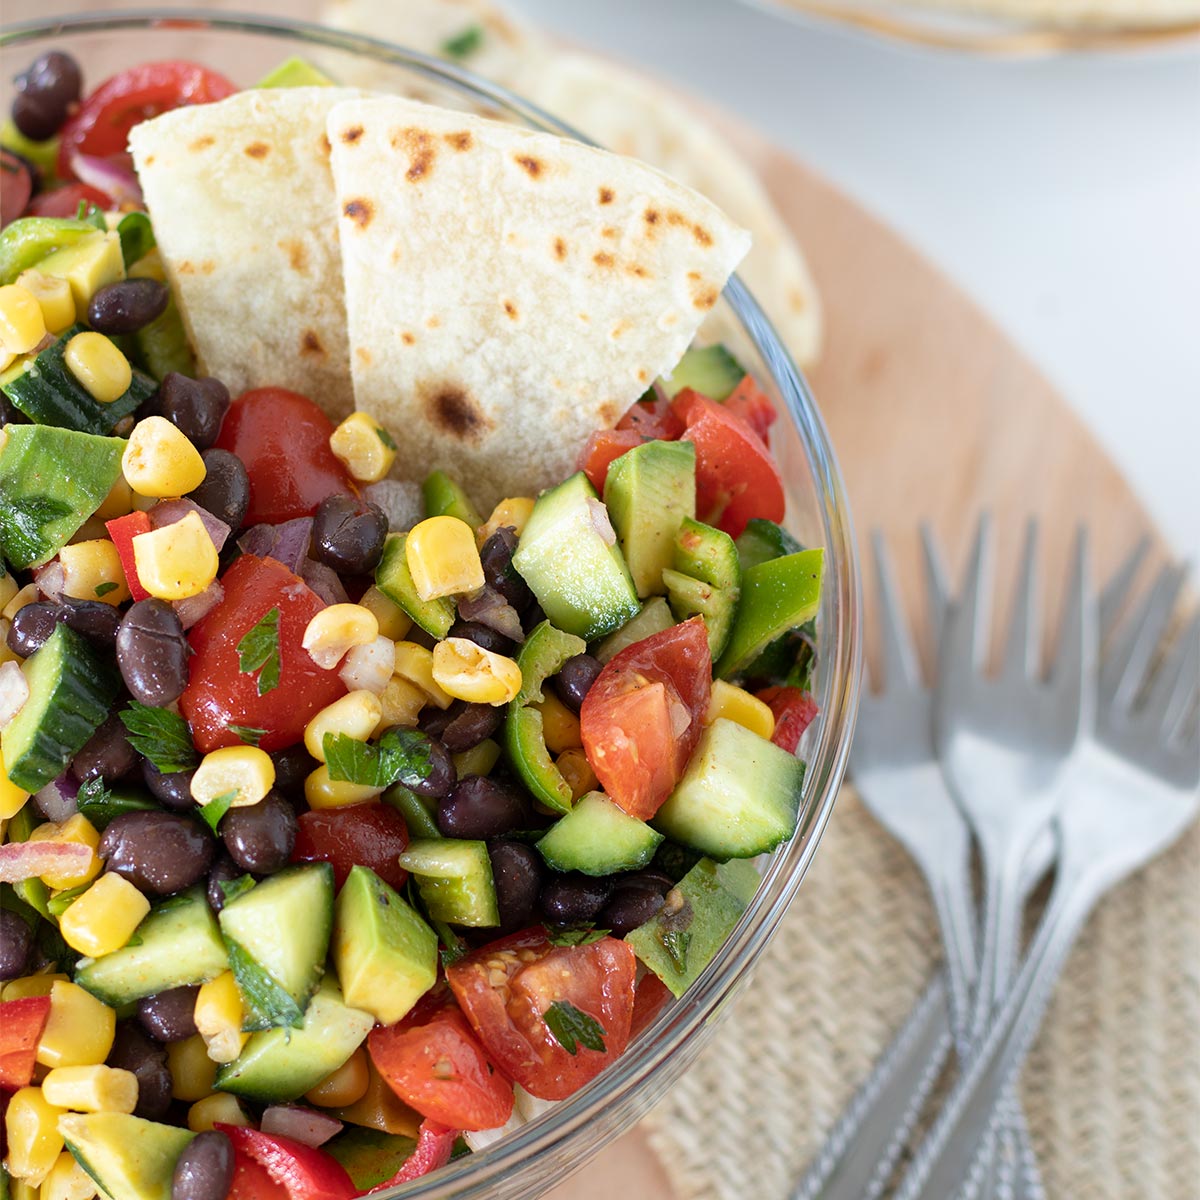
column 1135, row 789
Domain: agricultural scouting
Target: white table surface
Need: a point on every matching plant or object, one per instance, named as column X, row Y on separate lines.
column 1062, row 194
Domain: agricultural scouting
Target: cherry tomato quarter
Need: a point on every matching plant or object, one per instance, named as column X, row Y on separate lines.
column 371, row 835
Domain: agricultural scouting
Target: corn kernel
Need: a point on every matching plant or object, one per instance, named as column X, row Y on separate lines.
column 219, row 1017
column 513, row 512
column 31, row 985
column 149, row 266
column 336, row 629
column 364, row 446
column 479, row 760
column 160, row 461
column 91, row 1089
column 356, row 714
column 104, row 917
column 177, row 561
column 27, row 595
column 102, row 369
column 368, row 668
column 80, row 1030
column 443, row 558
column 22, row 325
column 220, row 1108
column 118, row 502
column 67, row 1181
column 53, row 296
column 192, row 1071
column 12, row 798
column 92, row 571
column 322, row 792
column 401, row 702
column 74, row 829
column 469, row 672
column 414, row 663
column 393, row 621
column 246, row 771
column 8, row 589
column 736, row 704
column 34, row 1142
column 574, row 767
column 559, row 724
column 343, row 1086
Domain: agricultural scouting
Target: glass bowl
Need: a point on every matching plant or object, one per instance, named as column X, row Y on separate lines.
column 542, row 1152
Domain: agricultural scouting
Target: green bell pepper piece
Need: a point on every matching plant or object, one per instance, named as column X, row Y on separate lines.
column 26, row 241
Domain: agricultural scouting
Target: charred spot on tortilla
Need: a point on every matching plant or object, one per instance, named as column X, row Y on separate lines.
column 607, row 195
column 459, row 141
column 705, row 299
column 351, row 135
column 359, row 211
column 417, row 145
column 297, row 254
column 451, row 411
column 560, row 249
column 258, row 150
column 408, row 339
column 531, row 166
column 202, row 143
column 608, row 413
column 637, row 270
column 149, row 160
column 310, row 343
column 603, row 259
column 187, row 267
column 608, row 232
column 323, row 146
column 679, row 221
column 643, row 376
column 510, row 310
column 652, row 216
column 363, row 355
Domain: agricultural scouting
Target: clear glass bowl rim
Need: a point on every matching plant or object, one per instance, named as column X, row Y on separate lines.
column 839, row 621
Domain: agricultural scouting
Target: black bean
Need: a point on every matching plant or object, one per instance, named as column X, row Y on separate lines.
column 225, row 491
column 152, row 653
column 127, row 305
column 173, row 789
column 204, row 1171
column 575, row 680
column 158, row 852
column 16, row 940
column 96, row 621
column 45, row 93
column 629, row 908
column 574, row 899
column 196, row 407
column 482, row 635
column 532, row 617
column 441, row 776
column 480, row 807
column 434, row 720
column 169, row 1016
column 292, row 766
column 225, row 871
column 133, row 1051
column 498, row 571
column 517, row 873
column 31, row 627
column 471, row 725
column 107, row 754
column 34, row 623
column 348, row 534
column 260, row 837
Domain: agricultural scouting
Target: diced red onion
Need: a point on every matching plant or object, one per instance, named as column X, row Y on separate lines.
column 14, row 691
column 116, row 179
column 600, row 522
column 57, row 800
column 167, row 512
column 323, row 580
column 51, row 579
column 488, row 607
column 369, row 667
column 401, row 501
column 305, row 1125
column 195, row 608
column 28, row 860
column 286, row 543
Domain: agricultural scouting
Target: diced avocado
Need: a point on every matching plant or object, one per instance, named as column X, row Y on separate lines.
column 695, row 922
column 568, row 554
column 370, row 1156
column 764, row 540
column 51, row 481
column 43, row 155
column 705, row 579
column 385, row 954
column 710, row 370
column 598, row 838
column 71, row 689
column 395, row 581
column 88, row 265
column 277, row 1065
column 653, row 618
column 177, row 944
column 649, row 491
column 127, row 1157
column 295, row 72
column 445, row 497
column 777, row 595
column 739, row 796
column 25, row 242
column 277, row 937
column 454, row 878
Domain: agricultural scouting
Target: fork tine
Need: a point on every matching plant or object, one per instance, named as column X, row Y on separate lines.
column 898, row 659
column 967, row 624
column 1021, row 653
column 1115, row 595
column 1125, row 666
column 1175, row 682
column 937, row 586
column 1075, row 655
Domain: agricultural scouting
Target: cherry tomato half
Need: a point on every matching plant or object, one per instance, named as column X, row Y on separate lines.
column 21, row 1025
column 219, row 694
column 64, row 201
column 507, row 988
column 283, row 438
column 753, row 405
column 602, row 449
column 303, row 1172
column 653, row 419
column 642, row 717
column 371, row 835
column 794, row 712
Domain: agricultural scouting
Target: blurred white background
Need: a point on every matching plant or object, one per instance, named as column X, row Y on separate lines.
column 1062, row 194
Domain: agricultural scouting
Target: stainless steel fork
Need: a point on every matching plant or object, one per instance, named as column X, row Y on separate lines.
column 1135, row 788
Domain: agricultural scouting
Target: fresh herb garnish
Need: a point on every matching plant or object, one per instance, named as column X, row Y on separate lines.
column 675, row 942
column 61, row 901
column 576, row 937
column 137, row 237
column 27, row 516
column 233, row 888
column 96, row 802
column 400, row 756
column 250, row 734
column 216, row 808
column 161, row 735
column 570, row 1026
column 386, row 438
column 463, row 45
column 109, row 585
column 87, row 211
column 259, row 651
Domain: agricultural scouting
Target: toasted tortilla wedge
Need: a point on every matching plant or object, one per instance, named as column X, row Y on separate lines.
column 242, row 202
column 509, row 292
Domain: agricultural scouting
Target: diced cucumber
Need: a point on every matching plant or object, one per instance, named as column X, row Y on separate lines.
column 71, row 689
column 163, row 346
column 277, row 937
column 445, row 497
column 178, row 943
column 454, row 878
column 26, row 241
column 598, row 838
column 281, row 1064
column 395, row 581
column 127, row 1157
column 705, row 579
column 568, row 554
column 764, row 540
column 695, row 922
column 295, row 72
column 710, row 370
column 654, row 617
column 51, row 481
column 739, row 796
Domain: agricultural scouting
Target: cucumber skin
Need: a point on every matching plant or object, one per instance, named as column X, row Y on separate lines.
column 597, row 838
column 394, row 580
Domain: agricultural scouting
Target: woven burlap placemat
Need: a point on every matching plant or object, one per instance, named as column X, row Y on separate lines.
column 1111, row 1090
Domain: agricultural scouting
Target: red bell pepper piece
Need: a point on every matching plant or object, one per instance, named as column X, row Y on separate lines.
column 21, row 1025
column 753, row 405
column 123, row 530
column 794, row 712
column 649, row 998
column 435, row 1144
column 303, row 1172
